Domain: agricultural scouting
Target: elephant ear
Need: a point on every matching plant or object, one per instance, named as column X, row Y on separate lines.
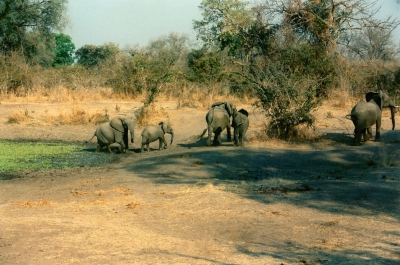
column 244, row 112
column 229, row 107
column 118, row 123
column 370, row 95
column 164, row 126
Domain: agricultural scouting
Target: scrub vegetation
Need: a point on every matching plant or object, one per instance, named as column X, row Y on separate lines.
column 285, row 57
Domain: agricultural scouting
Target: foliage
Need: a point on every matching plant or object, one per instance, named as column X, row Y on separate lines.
column 92, row 56
column 147, row 70
column 204, row 65
column 28, row 25
column 43, row 155
column 286, row 98
column 64, row 50
column 16, row 76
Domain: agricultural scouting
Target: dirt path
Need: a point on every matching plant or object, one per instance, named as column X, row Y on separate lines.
column 322, row 202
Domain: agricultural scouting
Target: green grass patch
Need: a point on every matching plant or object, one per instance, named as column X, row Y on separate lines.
column 44, row 155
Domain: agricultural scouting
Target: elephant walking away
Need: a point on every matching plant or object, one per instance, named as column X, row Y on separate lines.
column 230, row 109
column 218, row 119
column 366, row 114
column 240, row 124
column 157, row 132
column 115, row 131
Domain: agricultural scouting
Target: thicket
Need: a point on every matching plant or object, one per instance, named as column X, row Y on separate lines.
column 286, row 57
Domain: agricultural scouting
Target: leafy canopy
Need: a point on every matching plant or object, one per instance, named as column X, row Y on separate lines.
column 64, row 50
column 92, row 56
column 28, row 25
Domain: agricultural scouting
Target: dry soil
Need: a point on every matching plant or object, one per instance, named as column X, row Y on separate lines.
column 311, row 202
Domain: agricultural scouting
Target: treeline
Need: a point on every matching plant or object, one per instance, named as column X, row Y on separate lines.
column 287, row 55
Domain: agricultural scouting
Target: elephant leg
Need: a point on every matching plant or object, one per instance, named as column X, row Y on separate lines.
column 210, row 131
column 108, row 148
column 228, row 130
column 236, row 137
column 378, row 136
column 98, row 148
column 160, row 144
column 241, row 139
column 357, row 137
column 122, row 148
column 367, row 134
column 119, row 138
column 217, row 138
column 378, row 130
column 363, row 134
column 142, row 149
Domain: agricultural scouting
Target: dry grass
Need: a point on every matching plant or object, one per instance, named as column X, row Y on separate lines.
column 76, row 116
column 152, row 115
column 66, row 95
column 18, row 117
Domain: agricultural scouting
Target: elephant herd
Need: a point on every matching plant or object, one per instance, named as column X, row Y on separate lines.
column 224, row 115
column 218, row 119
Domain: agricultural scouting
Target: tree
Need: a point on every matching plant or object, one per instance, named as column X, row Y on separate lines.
column 64, row 50
column 373, row 43
column 22, row 19
column 91, row 56
column 204, row 65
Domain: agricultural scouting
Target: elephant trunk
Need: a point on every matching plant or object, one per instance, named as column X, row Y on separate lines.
column 172, row 136
column 392, row 111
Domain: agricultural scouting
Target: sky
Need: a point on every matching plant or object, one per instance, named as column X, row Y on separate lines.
column 137, row 22
column 129, row 22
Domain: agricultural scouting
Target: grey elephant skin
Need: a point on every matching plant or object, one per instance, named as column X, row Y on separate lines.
column 157, row 132
column 365, row 114
column 218, row 119
column 116, row 131
column 240, row 124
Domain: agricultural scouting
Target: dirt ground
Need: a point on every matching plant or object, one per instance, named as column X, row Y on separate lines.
column 270, row 202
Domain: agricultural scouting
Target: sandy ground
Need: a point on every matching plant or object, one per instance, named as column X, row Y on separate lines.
column 270, row 202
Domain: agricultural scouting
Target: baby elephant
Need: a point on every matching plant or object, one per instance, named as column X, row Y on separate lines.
column 240, row 123
column 152, row 133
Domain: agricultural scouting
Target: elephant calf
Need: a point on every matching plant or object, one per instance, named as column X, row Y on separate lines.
column 157, row 132
column 240, row 124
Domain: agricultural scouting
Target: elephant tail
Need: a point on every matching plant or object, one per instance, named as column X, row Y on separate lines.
column 348, row 116
column 91, row 138
column 204, row 132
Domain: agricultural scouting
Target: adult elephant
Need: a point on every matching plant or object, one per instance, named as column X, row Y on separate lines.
column 218, row 119
column 116, row 131
column 366, row 114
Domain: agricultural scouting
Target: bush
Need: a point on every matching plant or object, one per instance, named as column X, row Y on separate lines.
column 287, row 103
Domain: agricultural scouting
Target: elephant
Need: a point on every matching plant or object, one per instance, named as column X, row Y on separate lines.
column 218, row 118
column 366, row 114
column 116, row 131
column 230, row 108
column 240, row 124
column 152, row 133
